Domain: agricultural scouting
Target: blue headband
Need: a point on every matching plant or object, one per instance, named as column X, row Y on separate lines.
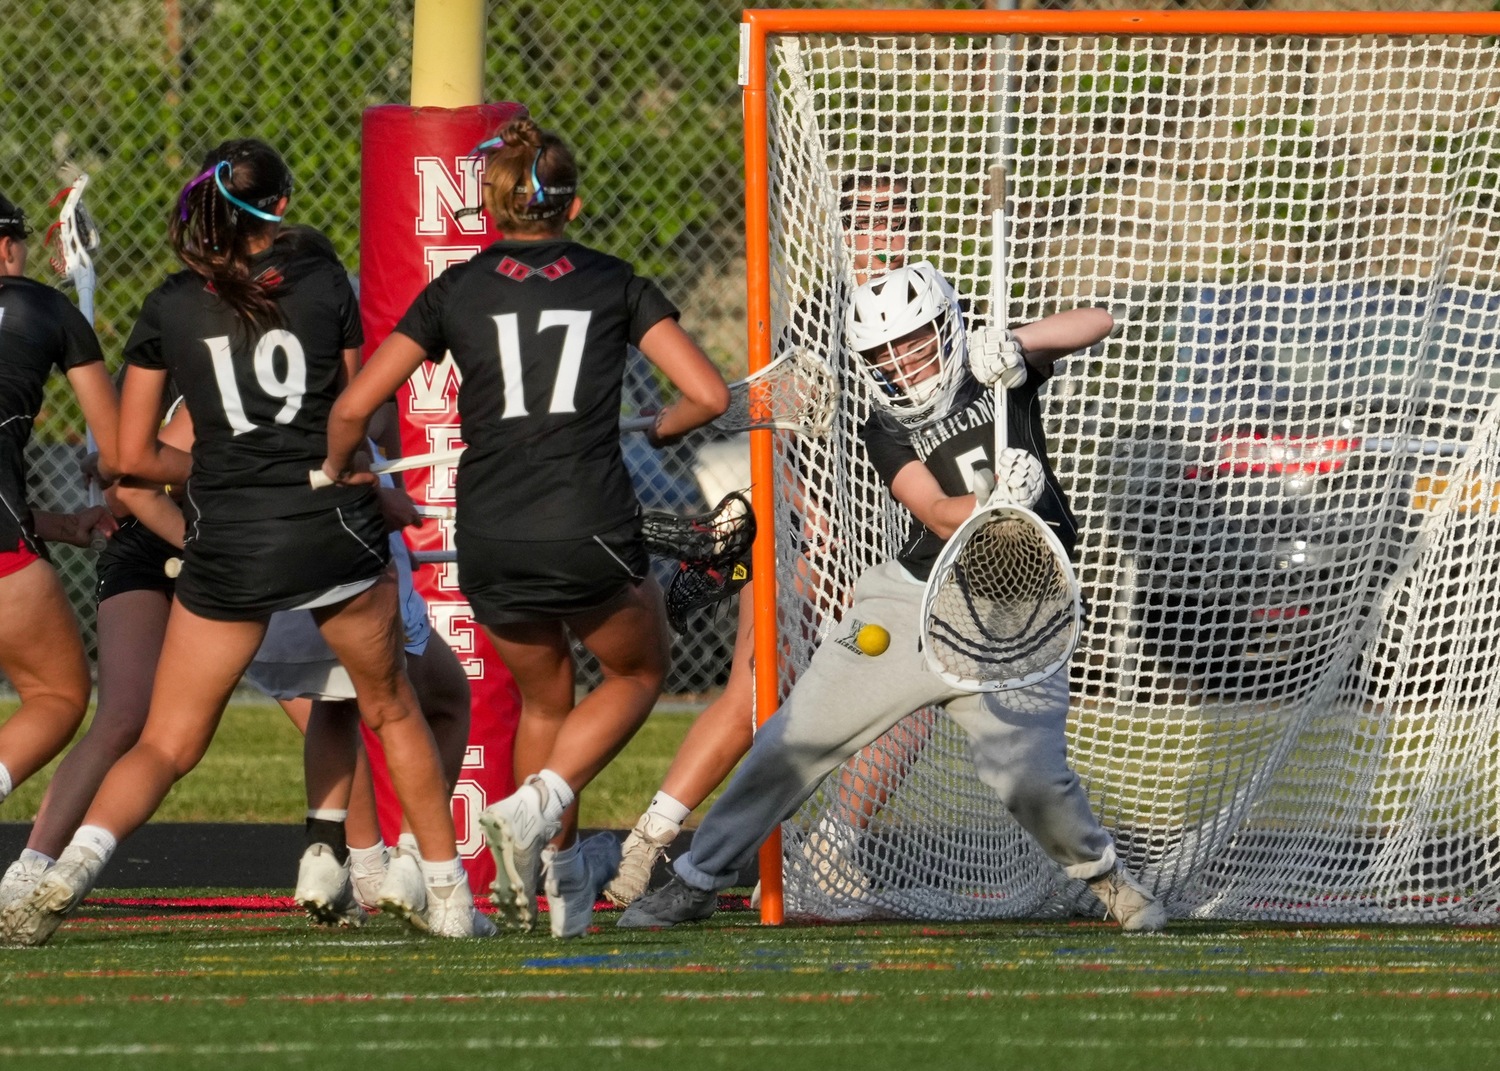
column 232, row 199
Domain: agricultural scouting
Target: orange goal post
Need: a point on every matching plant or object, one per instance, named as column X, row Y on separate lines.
column 1285, row 459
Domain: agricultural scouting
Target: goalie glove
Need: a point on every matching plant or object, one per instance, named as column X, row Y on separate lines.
column 996, row 357
column 1019, row 480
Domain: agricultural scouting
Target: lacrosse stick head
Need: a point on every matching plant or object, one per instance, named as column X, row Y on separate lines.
column 797, row 392
column 1001, row 609
column 717, row 539
column 697, row 586
column 74, row 237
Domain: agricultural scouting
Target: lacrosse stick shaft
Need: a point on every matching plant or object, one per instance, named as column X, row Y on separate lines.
column 433, row 557
column 317, row 478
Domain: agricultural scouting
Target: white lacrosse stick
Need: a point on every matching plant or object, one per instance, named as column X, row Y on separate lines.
column 1001, row 608
column 318, row 479
column 796, row 392
column 74, row 239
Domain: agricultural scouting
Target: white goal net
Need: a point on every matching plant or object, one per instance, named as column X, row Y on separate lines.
column 1286, row 459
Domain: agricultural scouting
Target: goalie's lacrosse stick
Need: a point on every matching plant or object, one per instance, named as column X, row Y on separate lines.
column 73, row 239
column 796, row 392
column 318, row 479
column 1001, row 608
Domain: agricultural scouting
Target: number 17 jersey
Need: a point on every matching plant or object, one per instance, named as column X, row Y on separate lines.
column 539, row 330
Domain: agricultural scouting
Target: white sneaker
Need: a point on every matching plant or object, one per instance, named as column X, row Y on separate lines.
column 368, row 883
column 324, row 890
column 517, row 830
column 451, row 912
column 830, row 849
column 404, row 891
column 573, row 881
column 20, row 878
column 1127, row 901
column 33, row 919
column 647, row 842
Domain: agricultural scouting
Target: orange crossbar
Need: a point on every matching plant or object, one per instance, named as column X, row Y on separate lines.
column 758, row 24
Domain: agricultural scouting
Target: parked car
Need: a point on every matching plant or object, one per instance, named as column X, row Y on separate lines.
column 1282, row 484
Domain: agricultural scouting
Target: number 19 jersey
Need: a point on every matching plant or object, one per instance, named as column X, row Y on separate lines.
column 259, row 397
column 539, row 331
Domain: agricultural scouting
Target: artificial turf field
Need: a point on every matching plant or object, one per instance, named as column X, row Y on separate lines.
column 241, row 981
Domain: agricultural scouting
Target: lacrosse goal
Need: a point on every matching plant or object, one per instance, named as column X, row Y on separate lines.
column 1286, row 459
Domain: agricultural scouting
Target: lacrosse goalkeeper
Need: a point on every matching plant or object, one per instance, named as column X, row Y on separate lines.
column 933, row 414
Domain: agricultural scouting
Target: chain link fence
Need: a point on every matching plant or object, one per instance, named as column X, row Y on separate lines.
column 135, row 91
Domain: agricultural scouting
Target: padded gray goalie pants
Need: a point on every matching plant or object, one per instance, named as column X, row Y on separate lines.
column 846, row 699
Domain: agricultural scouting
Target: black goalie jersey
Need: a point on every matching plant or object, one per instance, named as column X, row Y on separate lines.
column 40, row 330
column 260, row 397
column 539, row 331
column 952, row 446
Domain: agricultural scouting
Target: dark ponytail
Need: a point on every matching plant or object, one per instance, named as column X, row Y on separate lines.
column 231, row 202
column 530, row 178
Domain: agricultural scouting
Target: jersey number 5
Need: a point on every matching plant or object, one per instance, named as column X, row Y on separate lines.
column 575, row 324
column 289, row 388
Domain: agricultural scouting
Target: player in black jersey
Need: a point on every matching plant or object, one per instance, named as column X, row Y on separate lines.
column 41, row 650
column 258, row 335
column 934, row 419
column 548, row 526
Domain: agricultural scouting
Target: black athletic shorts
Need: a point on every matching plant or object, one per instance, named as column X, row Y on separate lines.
column 135, row 560
column 509, row 582
column 247, row 570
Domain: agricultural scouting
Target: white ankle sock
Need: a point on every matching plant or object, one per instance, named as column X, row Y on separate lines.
column 6, row 785
column 368, row 860
column 441, row 874
column 328, row 814
column 669, row 809
column 407, row 842
column 96, row 839
column 31, row 855
column 559, row 795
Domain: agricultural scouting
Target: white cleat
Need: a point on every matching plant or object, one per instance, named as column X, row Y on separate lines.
column 324, row 890
column 404, row 891
column 451, row 912
column 368, row 883
column 831, row 849
column 1127, row 901
column 574, row 879
column 20, row 878
column 517, row 830
column 33, row 919
column 646, row 844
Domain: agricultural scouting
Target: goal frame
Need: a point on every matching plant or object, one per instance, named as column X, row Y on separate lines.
column 758, row 26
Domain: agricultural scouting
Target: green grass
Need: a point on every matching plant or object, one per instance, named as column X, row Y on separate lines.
column 162, row 988
column 253, row 773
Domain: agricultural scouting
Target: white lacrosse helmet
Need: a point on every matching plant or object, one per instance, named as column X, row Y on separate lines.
column 914, row 378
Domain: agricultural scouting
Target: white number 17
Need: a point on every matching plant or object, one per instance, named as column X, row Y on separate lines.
column 575, row 323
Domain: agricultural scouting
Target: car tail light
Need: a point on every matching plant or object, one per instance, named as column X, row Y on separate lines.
column 1275, row 455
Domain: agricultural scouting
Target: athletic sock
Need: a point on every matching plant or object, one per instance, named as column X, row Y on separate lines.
column 368, row 860
column 96, row 839
column 407, row 842
column 558, row 797
column 31, row 855
column 326, row 826
column 441, row 875
column 669, row 809
column 6, row 785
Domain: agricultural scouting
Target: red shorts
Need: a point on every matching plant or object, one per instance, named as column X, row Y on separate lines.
column 13, row 561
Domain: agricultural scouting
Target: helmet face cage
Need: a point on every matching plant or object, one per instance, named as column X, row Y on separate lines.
column 907, row 335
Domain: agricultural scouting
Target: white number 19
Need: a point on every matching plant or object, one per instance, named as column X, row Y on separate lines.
column 289, row 388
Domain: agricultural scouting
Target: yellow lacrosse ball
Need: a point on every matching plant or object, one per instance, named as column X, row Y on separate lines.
column 872, row 640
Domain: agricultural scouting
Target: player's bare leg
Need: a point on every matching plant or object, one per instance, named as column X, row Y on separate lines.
column 717, row 740
column 201, row 662
column 131, row 627
column 42, row 654
column 365, row 633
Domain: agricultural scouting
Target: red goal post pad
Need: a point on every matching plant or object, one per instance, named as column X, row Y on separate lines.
column 417, row 174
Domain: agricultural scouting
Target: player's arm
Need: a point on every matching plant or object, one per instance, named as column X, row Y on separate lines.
column 153, row 504
column 79, row 529
column 142, row 454
column 1054, row 337
column 704, row 394
column 916, row 488
column 391, row 365
column 96, row 396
